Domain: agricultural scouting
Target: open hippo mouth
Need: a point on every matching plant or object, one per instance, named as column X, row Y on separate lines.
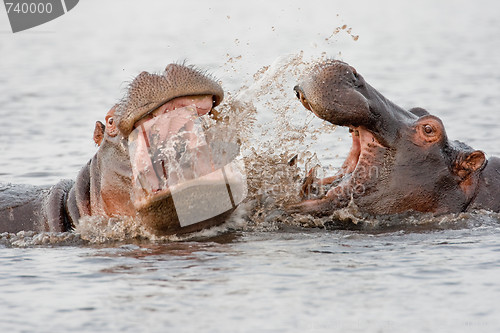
column 159, row 139
column 163, row 158
column 360, row 165
column 175, row 152
column 345, row 106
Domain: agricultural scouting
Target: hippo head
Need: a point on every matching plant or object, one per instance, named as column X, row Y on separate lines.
column 399, row 161
column 116, row 186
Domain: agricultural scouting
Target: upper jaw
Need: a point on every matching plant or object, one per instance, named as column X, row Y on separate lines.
column 149, row 91
column 367, row 126
column 155, row 138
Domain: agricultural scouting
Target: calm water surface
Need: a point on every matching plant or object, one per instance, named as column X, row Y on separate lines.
column 58, row 79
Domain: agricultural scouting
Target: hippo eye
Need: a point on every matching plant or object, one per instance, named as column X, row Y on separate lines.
column 110, row 121
column 428, row 129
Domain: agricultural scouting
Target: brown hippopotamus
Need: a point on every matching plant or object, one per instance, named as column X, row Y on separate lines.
column 400, row 161
column 122, row 178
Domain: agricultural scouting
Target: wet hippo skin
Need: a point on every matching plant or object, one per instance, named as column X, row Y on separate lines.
column 400, row 160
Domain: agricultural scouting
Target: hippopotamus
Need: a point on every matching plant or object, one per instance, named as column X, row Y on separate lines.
column 110, row 184
column 401, row 161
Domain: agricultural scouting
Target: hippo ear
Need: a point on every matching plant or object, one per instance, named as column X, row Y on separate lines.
column 471, row 163
column 419, row 112
column 99, row 132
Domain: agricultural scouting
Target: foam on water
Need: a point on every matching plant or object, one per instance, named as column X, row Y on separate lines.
column 31, row 238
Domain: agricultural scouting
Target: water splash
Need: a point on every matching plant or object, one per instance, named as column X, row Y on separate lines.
column 276, row 134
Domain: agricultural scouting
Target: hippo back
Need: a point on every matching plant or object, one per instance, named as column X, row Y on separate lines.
column 20, row 207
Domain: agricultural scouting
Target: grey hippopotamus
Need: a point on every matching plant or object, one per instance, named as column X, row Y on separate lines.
column 107, row 186
column 400, row 160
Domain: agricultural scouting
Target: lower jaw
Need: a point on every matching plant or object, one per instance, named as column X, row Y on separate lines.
column 188, row 206
column 161, row 219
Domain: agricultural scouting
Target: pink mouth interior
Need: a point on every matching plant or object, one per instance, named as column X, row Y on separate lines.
column 360, row 156
column 174, row 123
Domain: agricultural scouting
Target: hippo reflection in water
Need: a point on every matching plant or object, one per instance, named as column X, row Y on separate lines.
column 131, row 174
column 400, row 161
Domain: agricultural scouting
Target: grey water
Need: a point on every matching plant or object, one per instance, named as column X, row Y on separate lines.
column 56, row 80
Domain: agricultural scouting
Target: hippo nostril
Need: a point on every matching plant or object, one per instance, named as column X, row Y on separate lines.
column 354, row 72
column 297, row 91
column 302, row 98
column 300, row 95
